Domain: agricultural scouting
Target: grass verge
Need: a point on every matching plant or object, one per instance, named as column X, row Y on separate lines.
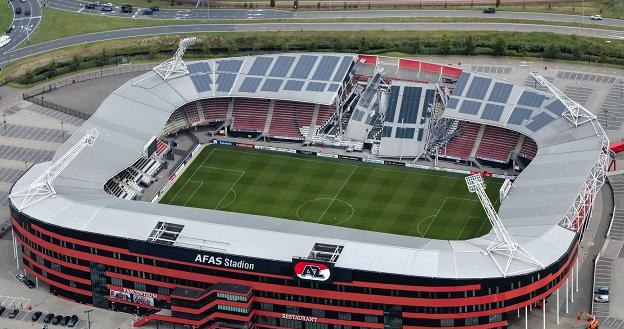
column 6, row 15
column 514, row 44
column 59, row 24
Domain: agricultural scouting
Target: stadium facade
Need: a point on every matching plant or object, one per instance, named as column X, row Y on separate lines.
column 214, row 269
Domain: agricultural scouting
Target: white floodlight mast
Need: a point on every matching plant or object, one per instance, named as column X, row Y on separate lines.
column 42, row 187
column 503, row 244
column 575, row 112
column 175, row 66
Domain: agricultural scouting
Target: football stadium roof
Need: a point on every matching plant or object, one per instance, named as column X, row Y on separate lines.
column 136, row 112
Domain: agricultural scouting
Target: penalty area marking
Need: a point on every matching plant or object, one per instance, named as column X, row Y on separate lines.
column 440, row 209
column 231, row 188
column 229, row 203
column 195, row 191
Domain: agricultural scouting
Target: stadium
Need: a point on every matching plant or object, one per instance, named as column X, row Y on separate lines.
column 334, row 191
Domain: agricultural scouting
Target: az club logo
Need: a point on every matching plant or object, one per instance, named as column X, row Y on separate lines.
column 312, row 271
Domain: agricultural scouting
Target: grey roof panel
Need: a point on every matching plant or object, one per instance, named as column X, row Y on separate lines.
column 452, row 102
column 469, row 107
column 492, row 112
column 478, row 87
column 393, row 99
column 201, row 67
column 540, row 121
column 260, row 66
column 225, row 81
column 556, row 107
column 407, row 133
column 386, row 131
column 500, row 92
column 294, row 85
column 282, row 66
column 272, row 85
column 519, row 115
column 250, row 85
column 343, row 69
column 333, row 87
column 201, row 82
column 303, row 67
column 410, row 104
column 532, row 99
column 316, row 86
column 325, row 68
column 461, row 83
column 229, row 65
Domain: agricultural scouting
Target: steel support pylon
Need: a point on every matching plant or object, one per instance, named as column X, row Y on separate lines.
column 576, row 113
column 503, row 243
column 42, row 187
column 175, row 66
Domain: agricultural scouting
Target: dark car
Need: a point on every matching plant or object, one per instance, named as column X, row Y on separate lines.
column 29, row 284
column 65, row 320
column 18, row 10
column 147, row 11
column 90, row 5
column 14, row 312
column 489, row 10
column 48, row 317
column 154, row 8
column 57, row 319
column 107, row 8
column 602, row 291
column 2, row 309
column 27, row 12
column 10, row 29
column 36, row 316
column 126, row 8
column 72, row 321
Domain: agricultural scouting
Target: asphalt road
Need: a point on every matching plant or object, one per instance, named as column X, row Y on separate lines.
column 117, row 34
column 23, row 25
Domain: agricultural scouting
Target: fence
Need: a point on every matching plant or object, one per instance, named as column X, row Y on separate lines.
column 31, row 95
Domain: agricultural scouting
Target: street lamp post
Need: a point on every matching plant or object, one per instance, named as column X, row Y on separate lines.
column 4, row 114
column 62, row 129
column 621, row 82
column 88, row 317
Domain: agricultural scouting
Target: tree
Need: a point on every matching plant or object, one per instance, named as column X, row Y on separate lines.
column 499, row 47
column 318, row 5
column 364, row 46
column 29, row 76
column 445, row 45
column 551, row 50
column 469, row 45
column 272, row 3
column 497, row 3
column 102, row 59
column 52, row 67
column 296, row 4
column 75, row 62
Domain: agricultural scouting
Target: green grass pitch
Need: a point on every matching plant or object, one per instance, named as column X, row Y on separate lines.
column 335, row 192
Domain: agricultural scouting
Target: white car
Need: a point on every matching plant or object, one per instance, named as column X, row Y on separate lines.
column 4, row 40
column 21, row 277
column 601, row 299
column 596, row 17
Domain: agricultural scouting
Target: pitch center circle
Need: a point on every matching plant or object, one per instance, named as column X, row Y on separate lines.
column 328, row 211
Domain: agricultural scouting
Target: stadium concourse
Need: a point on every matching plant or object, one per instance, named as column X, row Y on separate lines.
column 241, row 267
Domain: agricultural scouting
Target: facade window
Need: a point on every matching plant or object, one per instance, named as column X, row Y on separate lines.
column 163, row 290
column 344, row 316
column 56, row 266
column 318, row 313
column 472, row 321
column 496, row 318
column 39, row 259
column 233, row 298
column 266, row 307
column 139, row 286
column 370, row 318
column 72, row 284
column 292, row 309
column 447, row 322
column 233, row 309
column 117, row 282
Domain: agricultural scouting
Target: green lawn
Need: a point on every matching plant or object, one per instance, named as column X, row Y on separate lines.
column 58, row 24
column 5, row 17
column 345, row 193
